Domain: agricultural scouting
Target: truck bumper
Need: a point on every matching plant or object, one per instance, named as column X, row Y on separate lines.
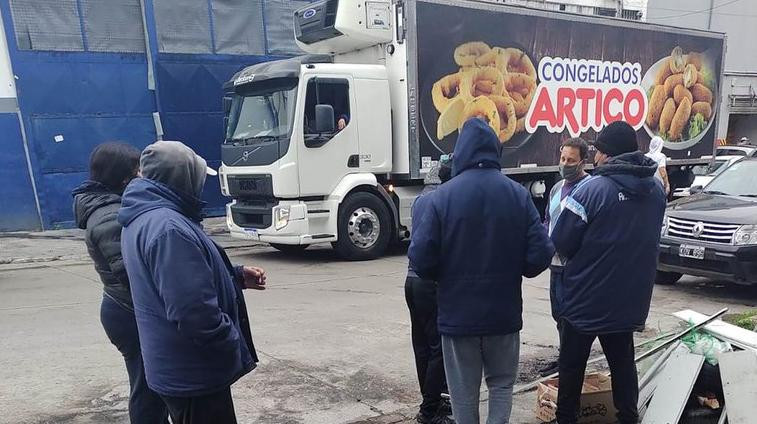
column 304, row 224
column 737, row 264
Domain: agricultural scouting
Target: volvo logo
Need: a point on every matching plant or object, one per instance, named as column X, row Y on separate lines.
column 697, row 230
column 309, row 13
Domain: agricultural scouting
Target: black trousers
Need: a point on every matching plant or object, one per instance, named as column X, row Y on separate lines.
column 575, row 348
column 427, row 344
column 120, row 325
column 215, row 408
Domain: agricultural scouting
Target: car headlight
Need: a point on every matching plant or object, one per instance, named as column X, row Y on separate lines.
column 664, row 228
column 745, row 235
column 281, row 217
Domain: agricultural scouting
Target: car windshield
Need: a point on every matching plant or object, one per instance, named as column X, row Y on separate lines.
column 711, row 169
column 739, row 179
column 262, row 112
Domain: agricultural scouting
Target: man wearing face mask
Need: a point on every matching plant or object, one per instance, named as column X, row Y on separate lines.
column 573, row 155
column 609, row 235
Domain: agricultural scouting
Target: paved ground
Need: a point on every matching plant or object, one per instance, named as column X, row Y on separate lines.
column 333, row 336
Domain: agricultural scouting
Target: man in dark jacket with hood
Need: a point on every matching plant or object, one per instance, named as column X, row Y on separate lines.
column 188, row 299
column 479, row 234
column 609, row 231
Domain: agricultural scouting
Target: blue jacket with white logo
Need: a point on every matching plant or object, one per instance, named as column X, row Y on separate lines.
column 609, row 232
column 477, row 235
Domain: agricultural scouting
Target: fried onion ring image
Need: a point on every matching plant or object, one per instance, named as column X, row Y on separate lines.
column 677, row 60
column 701, row 93
column 447, row 89
column 484, row 82
column 702, row 107
column 521, row 88
column 690, row 75
column 668, row 111
column 519, row 62
column 496, row 57
column 484, row 108
column 656, row 103
column 467, row 53
column 681, row 92
column 671, row 82
column 662, row 75
column 507, row 119
column 520, row 126
column 695, row 59
column 680, row 119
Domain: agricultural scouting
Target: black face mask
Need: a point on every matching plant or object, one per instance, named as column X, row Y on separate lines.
column 571, row 172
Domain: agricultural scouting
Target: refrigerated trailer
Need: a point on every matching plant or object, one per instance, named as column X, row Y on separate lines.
column 333, row 146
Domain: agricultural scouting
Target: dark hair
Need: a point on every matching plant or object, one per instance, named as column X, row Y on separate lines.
column 114, row 164
column 445, row 172
column 580, row 144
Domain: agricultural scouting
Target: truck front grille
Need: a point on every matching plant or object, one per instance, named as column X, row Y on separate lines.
column 699, row 230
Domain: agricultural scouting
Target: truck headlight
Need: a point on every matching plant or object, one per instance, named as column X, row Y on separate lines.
column 745, row 235
column 280, row 217
column 664, row 229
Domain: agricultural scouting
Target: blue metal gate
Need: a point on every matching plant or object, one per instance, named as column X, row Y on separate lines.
column 90, row 71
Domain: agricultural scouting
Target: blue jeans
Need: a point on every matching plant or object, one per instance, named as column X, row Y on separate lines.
column 466, row 359
column 145, row 406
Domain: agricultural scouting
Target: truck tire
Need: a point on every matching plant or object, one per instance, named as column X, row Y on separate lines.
column 290, row 249
column 667, row 278
column 364, row 227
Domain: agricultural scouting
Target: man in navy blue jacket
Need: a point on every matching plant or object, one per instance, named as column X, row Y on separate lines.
column 479, row 234
column 188, row 301
column 609, row 231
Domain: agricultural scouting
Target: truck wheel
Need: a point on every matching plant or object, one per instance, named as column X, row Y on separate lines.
column 290, row 249
column 667, row 278
column 364, row 228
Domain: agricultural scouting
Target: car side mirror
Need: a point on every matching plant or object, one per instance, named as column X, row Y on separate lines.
column 324, row 119
column 696, row 189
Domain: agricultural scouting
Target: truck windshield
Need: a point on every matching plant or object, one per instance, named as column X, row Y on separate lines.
column 262, row 112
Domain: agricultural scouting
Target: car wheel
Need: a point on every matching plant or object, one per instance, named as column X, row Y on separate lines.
column 290, row 249
column 667, row 278
column 364, row 228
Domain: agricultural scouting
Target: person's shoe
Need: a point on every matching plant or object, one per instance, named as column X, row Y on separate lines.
column 445, row 408
column 436, row 419
column 549, row 369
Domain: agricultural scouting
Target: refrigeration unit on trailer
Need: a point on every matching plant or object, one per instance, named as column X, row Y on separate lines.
column 333, row 146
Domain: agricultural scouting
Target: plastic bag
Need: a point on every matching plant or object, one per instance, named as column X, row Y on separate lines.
column 704, row 344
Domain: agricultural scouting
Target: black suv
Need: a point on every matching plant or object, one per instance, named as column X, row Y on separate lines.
column 713, row 233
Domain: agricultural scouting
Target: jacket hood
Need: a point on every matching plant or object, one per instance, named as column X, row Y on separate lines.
column 632, row 172
column 174, row 164
column 89, row 197
column 656, row 145
column 143, row 195
column 477, row 147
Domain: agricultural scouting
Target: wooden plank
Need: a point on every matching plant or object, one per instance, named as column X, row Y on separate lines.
column 738, row 372
column 673, row 389
column 737, row 336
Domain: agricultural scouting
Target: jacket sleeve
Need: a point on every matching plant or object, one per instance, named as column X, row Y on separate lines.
column 568, row 232
column 106, row 240
column 185, row 282
column 425, row 244
column 539, row 249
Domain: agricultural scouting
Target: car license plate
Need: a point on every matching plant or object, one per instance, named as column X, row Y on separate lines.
column 689, row 251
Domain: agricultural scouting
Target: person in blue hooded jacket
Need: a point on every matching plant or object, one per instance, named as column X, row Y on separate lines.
column 479, row 234
column 609, row 233
column 191, row 315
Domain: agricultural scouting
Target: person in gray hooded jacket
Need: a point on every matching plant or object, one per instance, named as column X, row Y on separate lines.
column 188, row 301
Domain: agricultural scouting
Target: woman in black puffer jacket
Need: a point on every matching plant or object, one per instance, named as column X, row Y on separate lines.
column 96, row 204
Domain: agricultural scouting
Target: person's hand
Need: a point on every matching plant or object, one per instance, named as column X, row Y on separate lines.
column 254, row 277
column 341, row 123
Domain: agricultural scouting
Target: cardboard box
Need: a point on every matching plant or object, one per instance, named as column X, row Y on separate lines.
column 596, row 400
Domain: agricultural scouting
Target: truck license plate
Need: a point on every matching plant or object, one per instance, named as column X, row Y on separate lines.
column 689, row 251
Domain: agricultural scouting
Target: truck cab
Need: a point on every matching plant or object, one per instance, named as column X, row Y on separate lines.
column 308, row 149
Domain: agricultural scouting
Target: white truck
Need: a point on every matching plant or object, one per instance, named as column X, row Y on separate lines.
column 332, row 147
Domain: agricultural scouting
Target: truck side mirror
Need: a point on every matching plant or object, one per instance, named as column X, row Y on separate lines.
column 226, row 105
column 696, row 189
column 324, row 119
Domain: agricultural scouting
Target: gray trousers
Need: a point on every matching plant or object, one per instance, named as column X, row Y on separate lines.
column 466, row 359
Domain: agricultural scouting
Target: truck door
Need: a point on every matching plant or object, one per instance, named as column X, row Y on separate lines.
column 327, row 156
